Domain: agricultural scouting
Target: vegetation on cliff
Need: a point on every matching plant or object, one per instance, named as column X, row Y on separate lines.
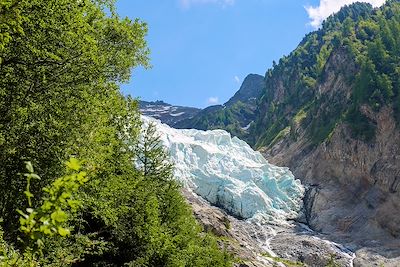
column 367, row 41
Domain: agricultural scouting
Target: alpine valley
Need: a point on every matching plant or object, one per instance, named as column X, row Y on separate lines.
column 301, row 167
column 330, row 112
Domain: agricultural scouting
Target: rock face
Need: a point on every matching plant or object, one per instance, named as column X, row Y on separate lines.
column 229, row 173
column 353, row 187
column 249, row 91
column 167, row 113
column 320, row 116
column 353, row 183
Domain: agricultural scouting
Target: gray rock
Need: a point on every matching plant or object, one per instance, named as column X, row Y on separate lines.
column 268, row 245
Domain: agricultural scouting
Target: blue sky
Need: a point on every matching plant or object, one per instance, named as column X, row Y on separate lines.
column 201, row 50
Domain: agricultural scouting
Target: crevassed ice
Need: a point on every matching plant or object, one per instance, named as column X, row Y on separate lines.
column 230, row 174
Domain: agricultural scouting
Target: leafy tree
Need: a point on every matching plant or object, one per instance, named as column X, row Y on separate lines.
column 60, row 65
column 142, row 214
column 152, row 159
column 59, row 70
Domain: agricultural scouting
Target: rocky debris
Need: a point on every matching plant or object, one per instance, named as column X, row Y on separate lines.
column 268, row 245
column 237, row 234
column 300, row 245
column 387, row 257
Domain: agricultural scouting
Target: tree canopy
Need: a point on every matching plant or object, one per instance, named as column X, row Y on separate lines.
column 61, row 62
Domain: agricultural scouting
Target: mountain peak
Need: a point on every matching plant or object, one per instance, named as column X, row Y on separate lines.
column 250, row 89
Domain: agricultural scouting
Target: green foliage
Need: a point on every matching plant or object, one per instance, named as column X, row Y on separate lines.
column 286, row 262
column 59, row 69
column 300, row 116
column 396, row 107
column 332, row 262
column 48, row 221
column 227, row 223
column 362, row 128
column 152, row 158
column 146, row 220
column 60, row 66
column 10, row 257
column 322, row 57
column 358, row 35
column 272, row 133
column 51, row 217
column 282, row 134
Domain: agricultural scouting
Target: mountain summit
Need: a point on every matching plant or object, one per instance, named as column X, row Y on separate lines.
column 236, row 115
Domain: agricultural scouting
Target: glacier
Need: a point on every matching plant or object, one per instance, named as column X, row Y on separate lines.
column 228, row 173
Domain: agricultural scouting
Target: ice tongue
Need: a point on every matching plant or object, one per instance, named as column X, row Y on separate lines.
column 228, row 173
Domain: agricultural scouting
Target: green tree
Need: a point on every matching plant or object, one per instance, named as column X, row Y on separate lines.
column 143, row 215
column 152, row 159
column 59, row 68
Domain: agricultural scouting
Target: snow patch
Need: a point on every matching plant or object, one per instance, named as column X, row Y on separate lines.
column 247, row 126
column 177, row 114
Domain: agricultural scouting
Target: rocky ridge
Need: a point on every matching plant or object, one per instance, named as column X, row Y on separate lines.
column 167, row 113
column 235, row 116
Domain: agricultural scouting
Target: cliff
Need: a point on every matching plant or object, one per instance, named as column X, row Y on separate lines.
column 330, row 113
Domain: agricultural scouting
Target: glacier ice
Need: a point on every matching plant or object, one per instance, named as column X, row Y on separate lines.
column 230, row 174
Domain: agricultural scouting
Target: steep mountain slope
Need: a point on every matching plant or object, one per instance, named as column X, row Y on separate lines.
column 236, row 193
column 235, row 116
column 330, row 111
column 167, row 113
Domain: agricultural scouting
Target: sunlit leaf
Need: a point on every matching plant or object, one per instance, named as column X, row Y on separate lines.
column 29, row 166
column 35, row 176
column 59, row 216
column 74, row 164
column 63, row 231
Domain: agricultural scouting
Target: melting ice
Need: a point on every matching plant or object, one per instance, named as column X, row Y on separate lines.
column 228, row 173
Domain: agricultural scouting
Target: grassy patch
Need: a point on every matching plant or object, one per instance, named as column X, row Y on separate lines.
column 300, row 116
column 280, row 136
column 288, row 263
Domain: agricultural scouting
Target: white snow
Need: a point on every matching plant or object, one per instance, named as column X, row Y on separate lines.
column 157, row 109
column 247, row 127
column 229, row 173
column 177, row 114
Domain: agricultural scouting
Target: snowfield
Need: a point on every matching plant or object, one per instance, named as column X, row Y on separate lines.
column 228, row 173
